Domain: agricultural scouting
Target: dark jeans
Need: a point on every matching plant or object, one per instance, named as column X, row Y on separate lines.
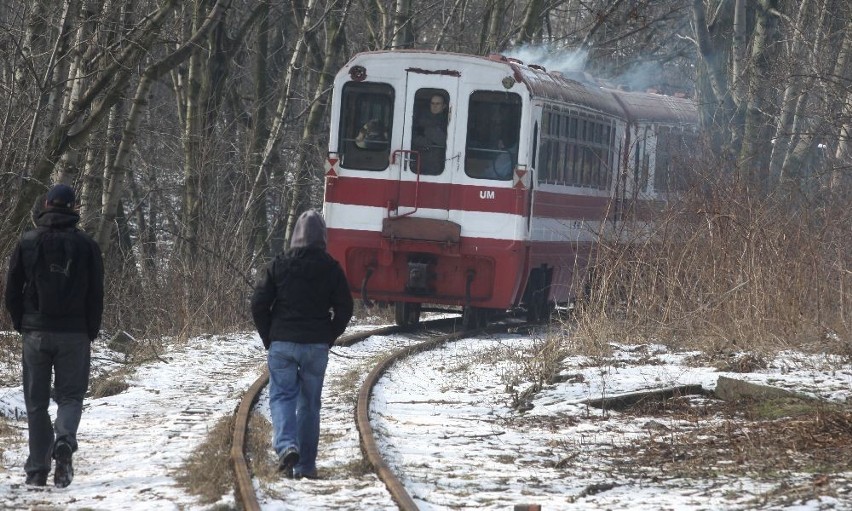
column 67, row 356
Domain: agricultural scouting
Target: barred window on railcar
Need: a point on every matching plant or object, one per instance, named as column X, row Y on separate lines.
column 577, row 149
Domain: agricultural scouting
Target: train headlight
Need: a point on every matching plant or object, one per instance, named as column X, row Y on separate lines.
column 358, row 73
column 508, row 82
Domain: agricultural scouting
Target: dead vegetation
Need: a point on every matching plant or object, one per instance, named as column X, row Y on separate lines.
column 10, row 358
column 108, row 384
column 723, row 269
column 207, row 472
column 761, row 439
column 691, row 438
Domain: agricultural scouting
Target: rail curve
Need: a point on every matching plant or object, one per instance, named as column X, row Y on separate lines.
column 245, row 492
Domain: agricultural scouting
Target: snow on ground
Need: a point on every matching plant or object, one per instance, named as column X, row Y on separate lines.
column 131, row 444
column 444, row 420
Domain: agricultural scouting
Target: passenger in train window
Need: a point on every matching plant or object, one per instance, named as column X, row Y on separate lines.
column 430, row 136
column 504, row 162
column 372, row 135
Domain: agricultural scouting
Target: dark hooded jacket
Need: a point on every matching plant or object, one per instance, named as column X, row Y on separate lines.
column 302, row 296
column 77, row 302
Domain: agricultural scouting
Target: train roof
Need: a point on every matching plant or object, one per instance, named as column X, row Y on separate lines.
column 574, row 89
column 646, row 106
column 556, row 86
column 540, row 83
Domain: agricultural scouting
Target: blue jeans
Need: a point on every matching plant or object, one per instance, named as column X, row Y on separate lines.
column 296, row 374
column 66, row 358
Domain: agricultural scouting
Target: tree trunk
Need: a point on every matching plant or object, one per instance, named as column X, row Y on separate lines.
column 259, row 232
column 403, row 32
column 792, row 93
column 721, row 105
column 48, row 109
column 306, row 169
column 257, row 191
column 803, row 132
column 115, row 176
column 750, row 152
column 843, row 153
column 108, row 87
column 531, row 24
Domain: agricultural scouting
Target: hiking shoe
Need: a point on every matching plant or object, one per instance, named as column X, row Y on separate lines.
column 37, row 479
column 64, row 471
column 308, row 475
column 288, row 460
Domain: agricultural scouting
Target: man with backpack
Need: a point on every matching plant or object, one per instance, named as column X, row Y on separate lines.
column 54, row 293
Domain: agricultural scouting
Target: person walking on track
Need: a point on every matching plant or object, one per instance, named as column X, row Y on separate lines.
column 300, row 305
column 54, row 294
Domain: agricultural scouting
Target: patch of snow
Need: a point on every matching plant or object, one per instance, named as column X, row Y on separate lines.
column 443, row 418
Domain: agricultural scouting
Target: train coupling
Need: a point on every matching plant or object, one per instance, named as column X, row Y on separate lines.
column 421, row 275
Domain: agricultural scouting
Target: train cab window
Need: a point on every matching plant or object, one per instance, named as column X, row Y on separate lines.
column 366, row 125
column 493, row 134
column 429, row 131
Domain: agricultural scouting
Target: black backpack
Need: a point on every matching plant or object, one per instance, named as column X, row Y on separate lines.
column 56, row 268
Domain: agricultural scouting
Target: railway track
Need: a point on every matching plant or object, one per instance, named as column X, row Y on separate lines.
column 245, row 492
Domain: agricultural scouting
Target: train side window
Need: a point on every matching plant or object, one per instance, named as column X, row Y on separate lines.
column 493, row 135
column 534, row 141
column 366, row 125
column 569, row 164
column 673, row 147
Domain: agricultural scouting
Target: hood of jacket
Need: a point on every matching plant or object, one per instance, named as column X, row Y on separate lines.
column 309, row 232
column 57, row 218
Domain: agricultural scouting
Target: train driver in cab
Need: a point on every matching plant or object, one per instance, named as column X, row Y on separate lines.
column 430, row 136
column 504, row 162
column 493, row 147
column 372, row 135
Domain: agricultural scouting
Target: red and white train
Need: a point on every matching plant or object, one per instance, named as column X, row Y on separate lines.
column 482, row 182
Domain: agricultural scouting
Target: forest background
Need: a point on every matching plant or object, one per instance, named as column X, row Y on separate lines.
column 195, row 132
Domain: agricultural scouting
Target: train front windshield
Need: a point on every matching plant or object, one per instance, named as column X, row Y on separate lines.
column 493, row 133
column 366, row 123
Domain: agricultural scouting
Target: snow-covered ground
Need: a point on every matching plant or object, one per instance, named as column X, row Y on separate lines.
column 446, row 423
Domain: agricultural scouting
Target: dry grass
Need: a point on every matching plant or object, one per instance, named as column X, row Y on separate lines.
column 755, row 438
column 10, row 359
column 108, row 385
column 264, row 464
column 262, row 460
column 724, row 270
column 6, row 432
column 695, row 438
column 537, row 365
column 207, row 473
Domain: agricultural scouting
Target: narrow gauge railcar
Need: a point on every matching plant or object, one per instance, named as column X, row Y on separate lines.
column 482, row 182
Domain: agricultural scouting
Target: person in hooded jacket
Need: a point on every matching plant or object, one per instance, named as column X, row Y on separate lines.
column 300, row 305
column 54, row 294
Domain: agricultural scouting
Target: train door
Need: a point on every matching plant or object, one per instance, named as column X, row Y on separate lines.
column 635, row 175
column 428, row 162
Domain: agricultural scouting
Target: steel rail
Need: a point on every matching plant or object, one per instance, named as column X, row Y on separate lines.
column 362, row 409
column 245, row 492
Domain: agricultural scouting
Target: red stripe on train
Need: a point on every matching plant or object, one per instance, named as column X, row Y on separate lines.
column 487, row 199
column 427, row 195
